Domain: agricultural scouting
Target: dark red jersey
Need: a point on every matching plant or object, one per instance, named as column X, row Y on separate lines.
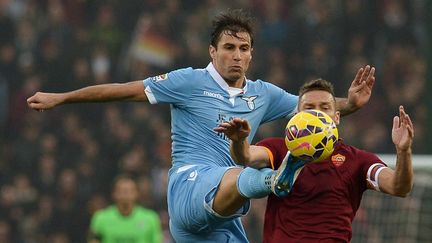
column 324, row 198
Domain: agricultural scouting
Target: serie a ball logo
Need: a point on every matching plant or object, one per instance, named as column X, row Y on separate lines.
column 311, row 135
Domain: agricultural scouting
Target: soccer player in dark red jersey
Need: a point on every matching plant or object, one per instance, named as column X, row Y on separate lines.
column 326, row 195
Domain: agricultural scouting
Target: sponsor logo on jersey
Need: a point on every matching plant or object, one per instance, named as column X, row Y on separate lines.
column 214, row 95
column 338, row 159
column 250, row 101
column 160, row 77
column 193, row 175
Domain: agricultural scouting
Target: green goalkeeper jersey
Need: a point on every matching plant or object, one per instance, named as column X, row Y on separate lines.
column 141, row 226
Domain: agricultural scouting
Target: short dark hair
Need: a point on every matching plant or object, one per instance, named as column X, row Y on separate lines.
column 317, row 84
column 231, row 22
column 123, row 177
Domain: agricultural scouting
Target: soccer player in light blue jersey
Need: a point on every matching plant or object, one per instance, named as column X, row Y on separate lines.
column 207, row 191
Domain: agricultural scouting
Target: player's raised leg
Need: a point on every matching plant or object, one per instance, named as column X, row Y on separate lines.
column 239, row 185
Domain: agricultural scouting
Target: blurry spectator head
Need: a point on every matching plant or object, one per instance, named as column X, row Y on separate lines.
column 59, row 237
column 50, row 49
column 47, row 165
column 26, row 35
column 96, row 202
column 105, row 16
column 7, row 53
column 46, row 174
column 5, row 232
column 91, row 149
column 357, row 44
column 56, row 12
column 49, row 143
column 394, row 14
column 7, row 196
column 133, row 162
column 45, row 207
column 81, row 70
column 86, row 170
column 71, row 122
column 68, row 182
column 24, row 191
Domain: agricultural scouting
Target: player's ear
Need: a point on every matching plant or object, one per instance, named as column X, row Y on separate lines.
column 212, row 51
column 337, row 117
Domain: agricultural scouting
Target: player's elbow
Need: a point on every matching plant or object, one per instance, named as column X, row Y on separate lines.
column 403, row 191
column 401, row 194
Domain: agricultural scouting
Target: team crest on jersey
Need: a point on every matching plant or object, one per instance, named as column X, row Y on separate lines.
column 250, row 101
column 160, row 77
column 338, row 159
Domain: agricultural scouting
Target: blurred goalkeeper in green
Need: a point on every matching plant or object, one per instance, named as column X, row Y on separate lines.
column 125, row 221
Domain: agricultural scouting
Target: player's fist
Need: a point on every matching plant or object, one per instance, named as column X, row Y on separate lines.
column 43, row 101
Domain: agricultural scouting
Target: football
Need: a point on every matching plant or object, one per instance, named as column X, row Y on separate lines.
column 311, row 135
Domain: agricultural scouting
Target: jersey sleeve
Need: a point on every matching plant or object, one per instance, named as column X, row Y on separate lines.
column 277, row 148
column 370, row 168
column 281, row 103
column 173, row 87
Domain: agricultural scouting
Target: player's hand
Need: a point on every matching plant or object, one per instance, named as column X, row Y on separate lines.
column 403, row 131
column 44, row 101
column 360, row 90
column 237, row 129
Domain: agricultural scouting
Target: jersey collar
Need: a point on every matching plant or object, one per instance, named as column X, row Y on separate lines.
column 218, row 78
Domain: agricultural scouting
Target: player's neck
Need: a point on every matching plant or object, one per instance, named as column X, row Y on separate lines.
column 125, row 210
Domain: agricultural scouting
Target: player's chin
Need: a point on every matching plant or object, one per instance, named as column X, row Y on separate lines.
column 235, row 75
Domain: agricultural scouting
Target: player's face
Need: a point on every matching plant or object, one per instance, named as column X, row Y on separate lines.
column 125, row 192
column 231, row 57
column 320, row 100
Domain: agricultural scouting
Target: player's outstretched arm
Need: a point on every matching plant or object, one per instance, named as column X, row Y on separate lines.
column 238, row 130
column 359, row 92
column 132, row 91
column 399, row 182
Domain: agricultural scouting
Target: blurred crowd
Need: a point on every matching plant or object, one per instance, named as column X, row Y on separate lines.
column 56, row 167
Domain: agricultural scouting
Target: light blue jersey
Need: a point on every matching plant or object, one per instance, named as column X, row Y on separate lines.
column 200, row 100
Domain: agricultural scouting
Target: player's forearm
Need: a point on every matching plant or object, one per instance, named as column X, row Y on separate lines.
column 240, row 151
column 344, row 107
column 403, row 180
column 133, row 91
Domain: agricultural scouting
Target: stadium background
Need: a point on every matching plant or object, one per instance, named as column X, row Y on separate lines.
column 56, row 167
